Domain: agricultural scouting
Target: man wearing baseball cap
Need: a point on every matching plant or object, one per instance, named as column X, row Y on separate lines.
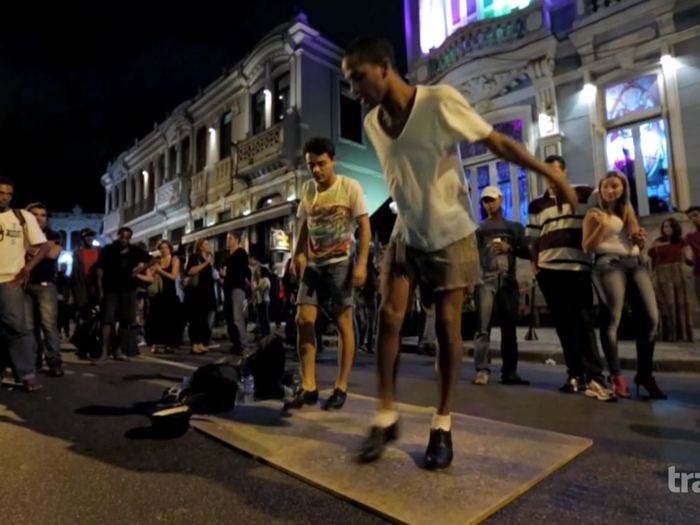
column 499, row 241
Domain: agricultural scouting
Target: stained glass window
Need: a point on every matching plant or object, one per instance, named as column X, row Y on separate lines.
column 511, row 128
column 639, row 94
column 483, row 179
column 654, row 145
column 522, row 194
column 651, row 141
column 504, row 184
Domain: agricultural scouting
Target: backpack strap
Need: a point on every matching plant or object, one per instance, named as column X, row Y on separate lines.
column 23, row 223
column 20, row 217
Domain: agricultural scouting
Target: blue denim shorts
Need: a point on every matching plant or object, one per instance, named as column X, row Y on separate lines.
column 322, row 285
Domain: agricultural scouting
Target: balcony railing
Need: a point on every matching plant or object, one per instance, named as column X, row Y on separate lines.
column 275, row 147
column 589, row 7
column 112, row 222
column 142, row 207
column 260, row 146
column 486, row 36
column 173, row 195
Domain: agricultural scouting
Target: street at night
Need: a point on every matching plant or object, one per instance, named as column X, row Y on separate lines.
column 73, row 453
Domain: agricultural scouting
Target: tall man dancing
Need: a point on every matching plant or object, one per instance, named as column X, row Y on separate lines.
column 415, row 132
column 332, row 207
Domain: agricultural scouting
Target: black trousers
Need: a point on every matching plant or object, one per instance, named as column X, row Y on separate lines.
column 569, row 296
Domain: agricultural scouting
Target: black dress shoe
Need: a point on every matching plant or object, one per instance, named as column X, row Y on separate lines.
column 439, row 453
column 336, row 401
column 514, row 379
column 55, row 370
column 300, row 399
column 373, row 446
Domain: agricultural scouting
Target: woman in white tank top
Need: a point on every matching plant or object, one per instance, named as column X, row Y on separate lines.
column 612, row 233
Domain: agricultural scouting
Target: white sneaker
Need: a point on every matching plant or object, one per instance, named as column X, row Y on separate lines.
column 599, row 392
column 482, row 378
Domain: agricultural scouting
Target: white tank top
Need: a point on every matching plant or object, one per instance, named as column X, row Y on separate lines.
column 616, row 240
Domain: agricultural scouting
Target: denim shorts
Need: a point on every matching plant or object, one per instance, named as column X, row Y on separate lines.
column 321, row 285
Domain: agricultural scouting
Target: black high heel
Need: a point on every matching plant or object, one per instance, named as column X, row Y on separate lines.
column 649, row 384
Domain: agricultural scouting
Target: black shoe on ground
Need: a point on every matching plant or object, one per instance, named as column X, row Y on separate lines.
column 570, row 387
column 336, row 401
column 379, row 437
column 514, row 379
column 439, row 453
column 55, row 370
column 301, row 399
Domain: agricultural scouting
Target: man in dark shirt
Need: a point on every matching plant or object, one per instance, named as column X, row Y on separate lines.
column 42, row 299
column 499, row 241
column 237, row 276
column 117, row 267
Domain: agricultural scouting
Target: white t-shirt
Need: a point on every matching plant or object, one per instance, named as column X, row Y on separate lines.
column 13, row 244
column 423, row 169
column 331, row 217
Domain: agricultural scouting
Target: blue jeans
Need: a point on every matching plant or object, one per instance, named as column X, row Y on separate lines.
column 501, row 295
column 19, row 337
column 41, row 303
column 614, row 277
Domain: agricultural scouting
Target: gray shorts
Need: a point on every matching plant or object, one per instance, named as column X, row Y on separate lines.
column 327, row 286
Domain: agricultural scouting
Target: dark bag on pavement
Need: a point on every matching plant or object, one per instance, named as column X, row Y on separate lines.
column 86, row 337
column 213, row 387
column 266, row 363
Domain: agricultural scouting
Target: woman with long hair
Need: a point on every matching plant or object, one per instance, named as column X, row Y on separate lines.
column 162, row 317
column 200, row 295
column 669, row 254
column 612, row 233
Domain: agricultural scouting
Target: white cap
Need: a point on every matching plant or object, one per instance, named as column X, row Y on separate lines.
column 491, row 192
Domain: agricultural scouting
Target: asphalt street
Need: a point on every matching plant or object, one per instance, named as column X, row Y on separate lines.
column 77, row 452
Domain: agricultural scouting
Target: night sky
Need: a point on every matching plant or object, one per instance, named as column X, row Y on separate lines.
column 79, row 84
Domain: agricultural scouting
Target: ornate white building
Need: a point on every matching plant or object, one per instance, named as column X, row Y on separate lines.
column 609, row 84
column 230, row 158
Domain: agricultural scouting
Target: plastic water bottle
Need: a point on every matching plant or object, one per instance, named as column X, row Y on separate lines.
column 240, row 392
column 249, row 389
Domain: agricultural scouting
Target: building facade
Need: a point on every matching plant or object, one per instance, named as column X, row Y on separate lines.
column 608, row 84
column 230, row 158
column 68, row 225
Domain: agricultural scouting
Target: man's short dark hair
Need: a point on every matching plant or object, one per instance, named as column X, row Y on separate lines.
column 372, row 50
column 4, row 181
column 125, row 229
column 236, row 235
column 36, row 206
column 692, row 209
column 319, row 146
column 556, row 158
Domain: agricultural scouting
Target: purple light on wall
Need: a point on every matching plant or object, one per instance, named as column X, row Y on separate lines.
column 438, row 19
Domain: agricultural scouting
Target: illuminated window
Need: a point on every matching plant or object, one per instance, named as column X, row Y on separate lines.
column 483, row 169
column 440, row 18
column 637, row 143
column 639, row 94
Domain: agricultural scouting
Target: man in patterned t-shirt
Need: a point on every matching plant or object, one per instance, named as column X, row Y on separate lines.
column 332, row 207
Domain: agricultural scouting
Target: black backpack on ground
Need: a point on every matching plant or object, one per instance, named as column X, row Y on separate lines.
column 214, row 387
column 267, row 364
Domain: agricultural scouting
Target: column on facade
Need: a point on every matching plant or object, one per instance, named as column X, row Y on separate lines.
column 117, row 201
column 541, row 72
column 178, row 157
column 157, row 174
column 108, row 203
column 138, row 186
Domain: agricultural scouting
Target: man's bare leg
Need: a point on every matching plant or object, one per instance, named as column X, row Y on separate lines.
column 448, row 327
column 346, row 346
column 395, row 300
column 306, row 346
column 346, row 354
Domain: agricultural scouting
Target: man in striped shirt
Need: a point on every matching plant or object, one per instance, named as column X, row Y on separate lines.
column 563, row 274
